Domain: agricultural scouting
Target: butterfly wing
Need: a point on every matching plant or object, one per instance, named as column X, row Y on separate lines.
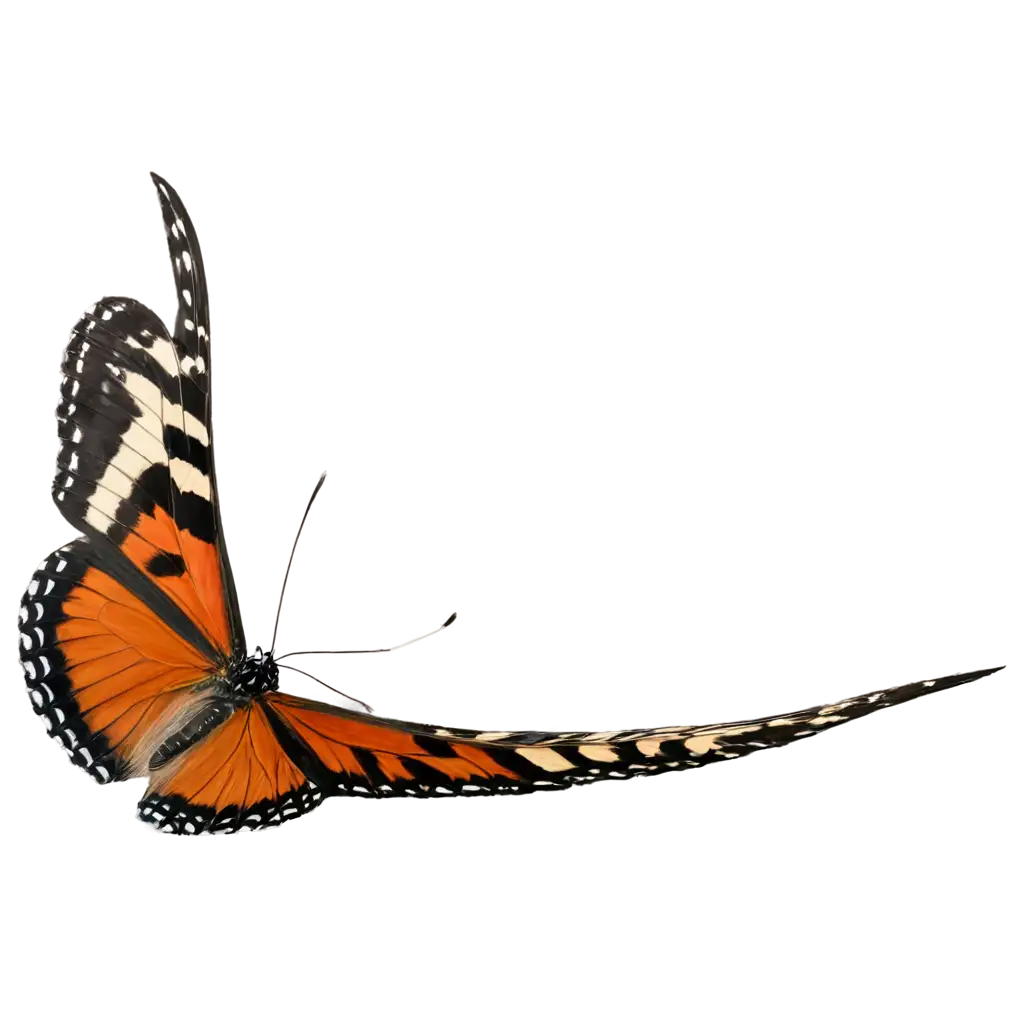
column 105, row 672
column 292, row 752
column 192, row 337
column 135, row 467
column 368, row 756
column 279, row 757
column 236, row 777
column 129, row 629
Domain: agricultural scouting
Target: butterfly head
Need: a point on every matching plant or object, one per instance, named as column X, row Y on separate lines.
column 255, row 675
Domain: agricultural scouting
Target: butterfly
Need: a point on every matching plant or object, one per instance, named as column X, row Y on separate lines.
column 132, row 641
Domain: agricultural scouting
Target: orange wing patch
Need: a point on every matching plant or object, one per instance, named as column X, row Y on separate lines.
column 237, row 777
column 135, row 463
column 101, row 667
column 197, row 589
column 369, row 756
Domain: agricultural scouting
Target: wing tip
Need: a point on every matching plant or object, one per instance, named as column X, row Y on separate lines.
column 977, row 670
column 166, row 195
column 155, row 177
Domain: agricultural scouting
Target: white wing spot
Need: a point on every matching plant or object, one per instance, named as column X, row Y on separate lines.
column 597, row 752
column 189, row 478
column 195, row 427
column 703, row 743
column 546, row 758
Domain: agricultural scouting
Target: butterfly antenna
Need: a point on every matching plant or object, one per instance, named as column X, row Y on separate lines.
column 341, row 693
column 280, row 600
column 449, row 623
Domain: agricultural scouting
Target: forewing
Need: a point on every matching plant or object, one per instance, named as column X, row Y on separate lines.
column 133, row 464
column 192, row 325
column 348, row 753
column 192, row 341
column 361, row 755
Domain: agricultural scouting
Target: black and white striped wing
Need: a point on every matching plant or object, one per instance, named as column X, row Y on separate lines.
column 192, row 325
column 563, row 759
column 135, row 467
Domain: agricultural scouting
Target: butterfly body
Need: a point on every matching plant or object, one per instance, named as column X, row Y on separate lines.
column 246, row 681
column 255, row 675
column 132, row 642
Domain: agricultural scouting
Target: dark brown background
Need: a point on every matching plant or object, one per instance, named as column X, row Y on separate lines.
column 101, row 925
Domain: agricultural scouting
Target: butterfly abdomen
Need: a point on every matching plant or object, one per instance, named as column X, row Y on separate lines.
column 212, row 713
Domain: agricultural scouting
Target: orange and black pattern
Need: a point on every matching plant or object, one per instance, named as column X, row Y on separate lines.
column 281, row 756
column 132, row 642
column 135, row 465
column 128, row 629
column 102, row 668
column 238, row 777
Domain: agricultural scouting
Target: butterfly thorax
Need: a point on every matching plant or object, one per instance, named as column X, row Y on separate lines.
column 255, row 675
